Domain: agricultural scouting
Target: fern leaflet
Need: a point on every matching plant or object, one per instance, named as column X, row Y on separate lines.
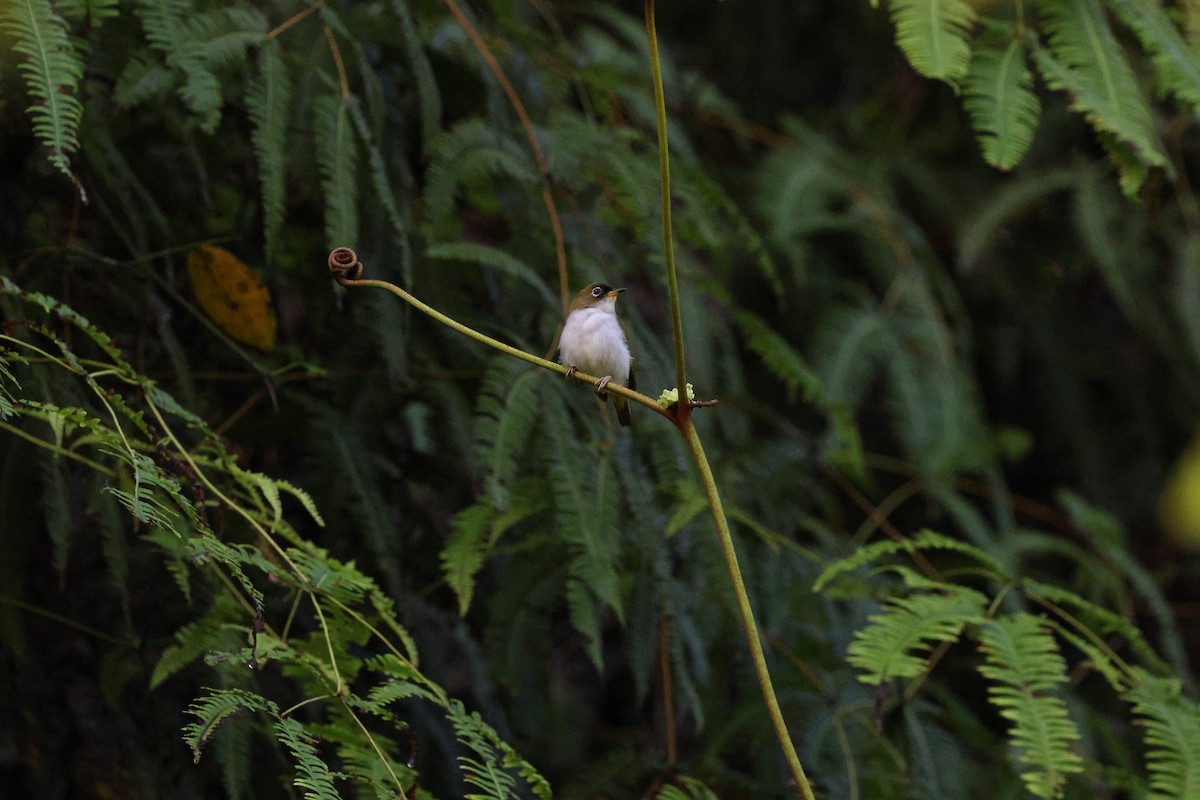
column 465, row 552
column 1085, row 59
column 780, row 357
column 52, row 71
column 212, row 710
column 1172, row 726
column 506, row 410
column 891, row 644
column 1175, row 62
column 689, row 789
column 933, row 36
column 337, row 157
column 1025, row 667
column 312, row 773
column 1000, row 100
column 268, row 101
column 427, row 89
column 497, row 259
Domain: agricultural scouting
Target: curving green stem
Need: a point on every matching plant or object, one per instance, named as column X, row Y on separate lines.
column 688, row 428
column 450, row 322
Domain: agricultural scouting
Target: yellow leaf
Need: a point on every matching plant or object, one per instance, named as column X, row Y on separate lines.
column 232, row 295
column 1180, row 503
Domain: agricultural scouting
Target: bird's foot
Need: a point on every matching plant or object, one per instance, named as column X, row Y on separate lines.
column 571, row 370
column 602, row 384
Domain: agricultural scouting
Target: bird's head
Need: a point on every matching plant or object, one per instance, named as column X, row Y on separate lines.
column 596, row 295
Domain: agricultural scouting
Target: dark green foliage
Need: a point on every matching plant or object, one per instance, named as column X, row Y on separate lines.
column 382, row 560
column 1076, row 51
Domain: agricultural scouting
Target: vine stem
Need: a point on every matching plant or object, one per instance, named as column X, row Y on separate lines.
column 344, row 259
column 664, row 169
column 688, row 428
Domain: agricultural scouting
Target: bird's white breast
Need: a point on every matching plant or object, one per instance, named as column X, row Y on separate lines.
column 593, row 342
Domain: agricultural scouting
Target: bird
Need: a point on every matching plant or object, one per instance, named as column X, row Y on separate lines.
column 593, row 340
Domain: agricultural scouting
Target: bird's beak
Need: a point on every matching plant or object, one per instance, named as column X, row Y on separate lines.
column 615, row 292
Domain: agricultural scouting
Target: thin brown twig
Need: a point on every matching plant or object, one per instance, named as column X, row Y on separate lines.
column 668, row 688
column 514, row 99
column 885, row 525
column 337, row 60
column 292, row 20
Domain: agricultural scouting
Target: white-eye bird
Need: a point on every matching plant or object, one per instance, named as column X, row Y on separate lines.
column 593, row 340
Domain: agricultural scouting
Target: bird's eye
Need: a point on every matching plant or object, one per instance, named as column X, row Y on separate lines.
column 596, row 292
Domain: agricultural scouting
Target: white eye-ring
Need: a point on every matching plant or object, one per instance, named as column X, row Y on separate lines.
column 596, row 292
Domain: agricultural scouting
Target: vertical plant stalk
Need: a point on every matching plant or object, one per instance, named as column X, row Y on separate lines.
column 664, row 169
column 683, row 420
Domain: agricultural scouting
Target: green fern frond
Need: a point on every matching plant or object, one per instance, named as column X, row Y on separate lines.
column 464, row 156
column 720, row 222
column 221, row 36
column 465, row 551
column 584, row 491
column 142, row 79
column 234, row 751
column 8, row 382
column 932, row 540
column 495, row 258
column 337, row 157
column 392, row 690
column 1176, row 63
column 328, row 576
column 52, row 71
column 342, row 445
column 859, row 558
column 475, row 531
column 194, row 640
column 56, row 503
column 1002, row 209
column 422, row 70
column 212, row 710
column 1025, row 669
column 780, row 357
column 850, row 349
column 166, row 27
column 1172, row 726
column 93, row 11
column 278, row 485
column 312, row 773
column 506, row 411
column 893, row 643
column 268, row 102
column 261, row 487
column 933, row 35
column 366, row 767
column 1094, row 617
column 1103, row 661
column 924, row 540
column 689, row 789
column 1085, row 59
column 630, row 199
column 382, row 180
column 999, row 97
column 194, row 45
column 488, row 768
